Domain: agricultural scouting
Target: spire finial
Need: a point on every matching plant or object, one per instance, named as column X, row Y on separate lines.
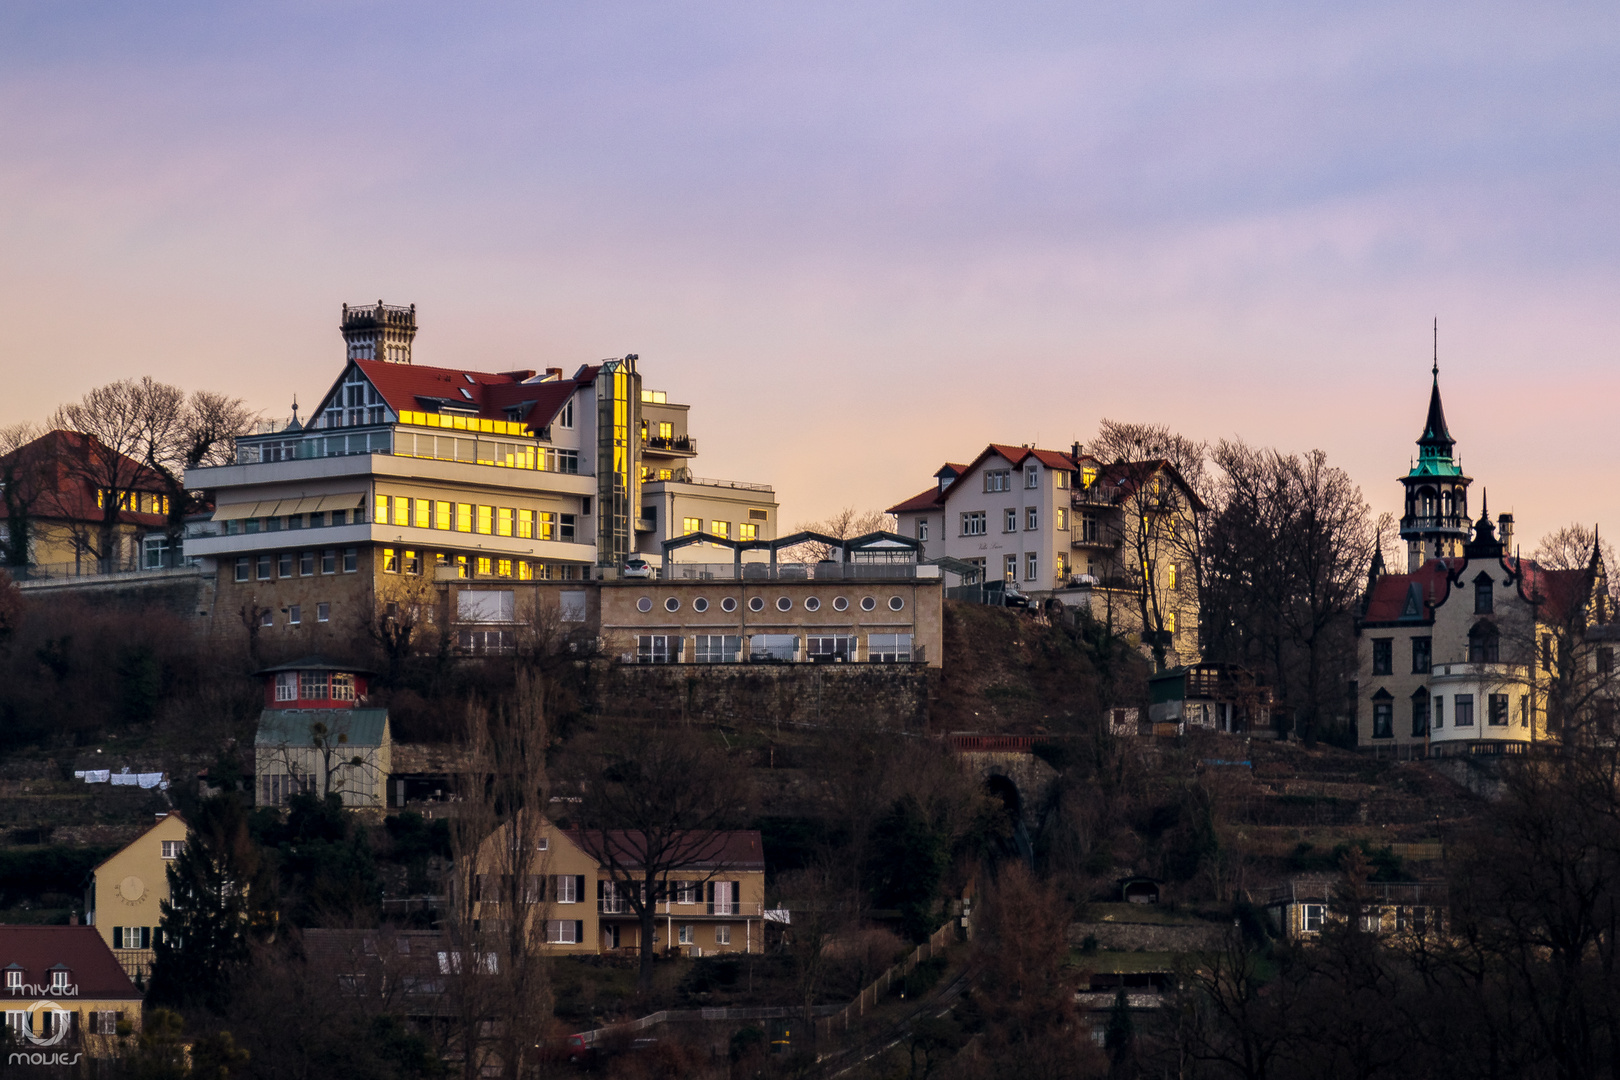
column 1436, row 368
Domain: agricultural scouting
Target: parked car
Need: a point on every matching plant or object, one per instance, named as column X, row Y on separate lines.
column 637, row 567
column 1011, row 597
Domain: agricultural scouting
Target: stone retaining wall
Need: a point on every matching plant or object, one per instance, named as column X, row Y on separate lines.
column 1147, row 937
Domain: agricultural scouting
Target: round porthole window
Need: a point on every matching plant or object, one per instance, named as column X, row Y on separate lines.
column 700, row 605
column 755, row 603
column 728, row 604
column 812, row 604
column 672, row 604
column 895, row 603
column 867, row 603
column 840, row 603
column 784, row 604
column 644, row 604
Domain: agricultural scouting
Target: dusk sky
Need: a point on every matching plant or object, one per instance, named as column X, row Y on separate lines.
column 860, row 239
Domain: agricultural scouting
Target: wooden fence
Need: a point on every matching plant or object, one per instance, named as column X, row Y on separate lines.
column 869, row 997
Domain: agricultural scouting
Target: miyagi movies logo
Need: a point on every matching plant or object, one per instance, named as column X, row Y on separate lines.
column 59, row 1032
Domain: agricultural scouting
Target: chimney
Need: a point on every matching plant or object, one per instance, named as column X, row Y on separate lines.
column 554, row 373
column 1504, row 531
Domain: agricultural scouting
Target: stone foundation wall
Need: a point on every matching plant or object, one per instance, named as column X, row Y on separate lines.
column 872, row 695
column 1148, row 937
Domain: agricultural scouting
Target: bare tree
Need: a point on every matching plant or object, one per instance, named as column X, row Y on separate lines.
column 401, row 621
column 24, row 472
column 112, row 421
column 847, row 524
column 496, row 972
column 656, row 803
column 823, row 907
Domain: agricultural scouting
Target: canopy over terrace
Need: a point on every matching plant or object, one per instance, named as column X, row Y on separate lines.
column 877, row 546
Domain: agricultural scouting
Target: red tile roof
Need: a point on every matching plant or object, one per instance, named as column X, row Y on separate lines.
column 1561, row 591
column 417, row 388
column 741, row 850
column 1389, row 593
column 55, row 472
column 928, row 499
column 92, row 968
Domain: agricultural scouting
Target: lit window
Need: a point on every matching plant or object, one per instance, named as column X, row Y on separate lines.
column 691, row 525
column 464, row 517
column 422, row 514
column 1172, row 577
column 443, row 515
column 402, row 510
column 390, row 561
column 503, row 522
column 1009, row 568
column 483, row 565
column 721, row 529
column 503, row 568
column 547, row 525
column 486, row 519
column 747, row 531
column 1062, row 515
column 525, row 524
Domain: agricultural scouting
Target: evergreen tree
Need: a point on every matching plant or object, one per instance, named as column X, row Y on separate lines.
column 220, row 901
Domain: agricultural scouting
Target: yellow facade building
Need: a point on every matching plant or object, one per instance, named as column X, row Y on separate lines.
column 66, row 997
column 123, row 898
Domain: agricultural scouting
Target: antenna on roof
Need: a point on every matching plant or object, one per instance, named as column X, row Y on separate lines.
column 1436, row 348
column 295, row 408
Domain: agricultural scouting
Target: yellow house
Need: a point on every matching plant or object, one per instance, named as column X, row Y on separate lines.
column 65, row 995
column 714, row 904
column 122, row 899
column 558, row 885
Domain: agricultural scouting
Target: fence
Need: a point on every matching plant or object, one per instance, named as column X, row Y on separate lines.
column 797, row 571
column 869, row 997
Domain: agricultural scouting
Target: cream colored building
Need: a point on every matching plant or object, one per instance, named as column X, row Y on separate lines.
column 125, row 893
column 347, row 752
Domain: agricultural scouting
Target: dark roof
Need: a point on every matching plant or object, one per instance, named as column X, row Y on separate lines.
column 1126, row 478
column 56, row 469
column 1561, row 592
column 315, row 662
column 740, row 850
column 1434, row 426
column 94, row 970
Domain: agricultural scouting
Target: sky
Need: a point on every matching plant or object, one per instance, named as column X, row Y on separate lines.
column 860, row 239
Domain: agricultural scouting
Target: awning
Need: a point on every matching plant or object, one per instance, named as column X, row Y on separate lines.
column 346, row 501
column 235, row 511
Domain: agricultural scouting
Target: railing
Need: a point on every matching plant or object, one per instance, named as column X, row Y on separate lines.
column 1095, row 495
column 796, row 571
column 1017, row 744
column 683, row 444
column 41, row 573
column 682, row 476
column 137, row 963
column 673, row 909
column 1455, row 522
column 918, row 654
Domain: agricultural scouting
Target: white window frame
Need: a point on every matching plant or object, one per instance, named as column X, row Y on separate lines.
column 658, row 648
column 171, row 848
column 1009, row 567
column 565, row 888
column 973, row 523
column 1311, row 916
column 1009, row 519
column 687, row 934
column 997, row 480
column 1032, row 565
column 286, row 686
column 722, row 934
column 716, row 648
column 1032, row 475
column 1032, row 518
column 888, row 648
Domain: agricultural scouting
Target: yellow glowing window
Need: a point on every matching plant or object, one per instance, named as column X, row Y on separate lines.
column 691, row 525
column 503, row 568
column 486, row 519
column 380, row 511
column 464, row 517
column 1172, row 576
column 666, row 474
column 666, row 430
column 1087, row 477
column 746, row 531
column 548, row 526
column 443, row 517
column 483, row 565
column 461, row 561
column 390, row 563
column 423, row 511
column 402, row 511
column 1170, row 621
column 721, row 529
column 525, row 524
column 411, row 565
column 525, row 571
column 503, row 522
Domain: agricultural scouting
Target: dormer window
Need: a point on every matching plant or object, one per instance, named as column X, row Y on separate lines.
column 1484, row 595
column 59, row 980
column 565, row 417
column 14, row 978
column 1032, row 475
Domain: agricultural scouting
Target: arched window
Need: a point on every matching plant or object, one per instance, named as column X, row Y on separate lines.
column 1484, row 644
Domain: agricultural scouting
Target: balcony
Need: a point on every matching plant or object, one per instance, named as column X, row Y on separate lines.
column 1436, row 523
column 736, row 909
column 684, row 476
column 683, row 445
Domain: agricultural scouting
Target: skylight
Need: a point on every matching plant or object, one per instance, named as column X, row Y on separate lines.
column 469, row 378
column 466, row 394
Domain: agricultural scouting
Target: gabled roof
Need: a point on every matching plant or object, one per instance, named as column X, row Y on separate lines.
column 290, row 727
column 158, row 824
column 92, row 968
column 1388, row 601
column 315, row 662
column 1561, row 592
column 1126, row 478
column 486, row 395
column 54, row 472
column 740, row 850
column 927, row 499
